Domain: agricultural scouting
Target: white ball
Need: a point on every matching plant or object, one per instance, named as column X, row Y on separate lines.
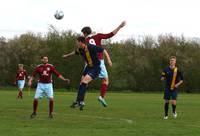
column 59, row 14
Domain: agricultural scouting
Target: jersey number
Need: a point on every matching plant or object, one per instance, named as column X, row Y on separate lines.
column 92, row 41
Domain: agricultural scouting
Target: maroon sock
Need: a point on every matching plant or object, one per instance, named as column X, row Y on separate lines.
column 51, row 103
column 18, row 94
column 35, row 105
column 103, row 90
column 21, row 94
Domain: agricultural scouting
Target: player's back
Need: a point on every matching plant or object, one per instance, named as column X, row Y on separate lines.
column 96, row 39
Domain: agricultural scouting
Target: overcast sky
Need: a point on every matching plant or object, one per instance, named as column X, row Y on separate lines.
column 143, row 17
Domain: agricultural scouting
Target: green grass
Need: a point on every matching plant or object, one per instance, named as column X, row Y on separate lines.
column 128, row 114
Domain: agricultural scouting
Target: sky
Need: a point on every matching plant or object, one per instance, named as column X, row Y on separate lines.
column 143, row 17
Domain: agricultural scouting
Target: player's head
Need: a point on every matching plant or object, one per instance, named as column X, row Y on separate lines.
column 172, row 60
column 44, row 59
column 86, row 30
column 81, row 41
column 21, row 66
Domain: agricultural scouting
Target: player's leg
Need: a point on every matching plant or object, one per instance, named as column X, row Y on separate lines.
column 76, row 103
column 38, row 94
column 174, row 97
column 81, row 94
column 166, row 105
column 20, row 87
column 104, row 84
column 49, row 93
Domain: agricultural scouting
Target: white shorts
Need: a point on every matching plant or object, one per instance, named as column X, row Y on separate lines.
column 44, row 89
column 103, row 73
column 21, row 84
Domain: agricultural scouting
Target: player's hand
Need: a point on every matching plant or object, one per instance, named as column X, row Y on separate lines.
column 122, row 24
column 67, row 81
column 176, row 86
column 64, row 56
column 162, row 79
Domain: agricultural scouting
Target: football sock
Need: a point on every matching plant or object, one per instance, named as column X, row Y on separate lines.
column 103, row 90
column 166, row 109
column 174, row 108
column 81, row 92
column 51, row 103
column 21, row 94
column 35, row 105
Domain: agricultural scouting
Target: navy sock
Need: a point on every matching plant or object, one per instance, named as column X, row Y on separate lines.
column 166, row 109
column 81, row 92
column 173, row 108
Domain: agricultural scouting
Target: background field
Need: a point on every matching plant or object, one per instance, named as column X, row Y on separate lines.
column 128, row 114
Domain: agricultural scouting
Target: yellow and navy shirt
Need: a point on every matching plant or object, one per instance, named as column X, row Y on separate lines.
column 172, row 77
column 90, row 54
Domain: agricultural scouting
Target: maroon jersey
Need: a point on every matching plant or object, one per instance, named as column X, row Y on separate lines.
column 96, row 40
column 45, row 73
column 21, row 75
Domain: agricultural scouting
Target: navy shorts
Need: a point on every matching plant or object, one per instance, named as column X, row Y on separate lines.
column 170, row 95
column 92, row 72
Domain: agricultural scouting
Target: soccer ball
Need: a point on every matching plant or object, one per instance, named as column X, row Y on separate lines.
column 59, row 15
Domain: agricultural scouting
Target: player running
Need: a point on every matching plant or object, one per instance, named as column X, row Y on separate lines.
column 89, row 53
column 20, row 80
column 96, row 40
column 44, row 86
column 174, row 78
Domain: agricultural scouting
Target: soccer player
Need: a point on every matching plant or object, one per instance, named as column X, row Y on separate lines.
column 20, row 80
column 44, row 85
column 174, row 78
column 96, row 40
column 90, row 54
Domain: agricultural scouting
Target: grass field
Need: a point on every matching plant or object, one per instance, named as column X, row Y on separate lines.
column 128, row 114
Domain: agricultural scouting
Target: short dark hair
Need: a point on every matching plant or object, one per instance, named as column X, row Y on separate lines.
column 86, row 30
column 42, row 56
column 172, row 57
column 81, row 39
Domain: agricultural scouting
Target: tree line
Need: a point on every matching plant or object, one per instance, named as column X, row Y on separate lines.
column 137, row 63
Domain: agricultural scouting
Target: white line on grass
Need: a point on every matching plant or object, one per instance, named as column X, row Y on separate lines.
column 129, row 121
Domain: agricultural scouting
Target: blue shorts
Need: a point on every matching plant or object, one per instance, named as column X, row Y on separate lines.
column 170, row 95
column 103, row 73
column 21, row 84
column 92, row 72
column 44, row 89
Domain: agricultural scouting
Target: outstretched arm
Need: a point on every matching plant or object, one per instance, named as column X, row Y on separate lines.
column 107, row 58
column 69, row 54
column 64, row 79
column 119, row 27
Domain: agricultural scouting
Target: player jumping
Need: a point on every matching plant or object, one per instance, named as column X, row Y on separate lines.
column 96, row 40
column 90, row 54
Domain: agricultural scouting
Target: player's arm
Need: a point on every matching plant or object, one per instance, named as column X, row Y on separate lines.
column 111, row 34
column 32, row 77
column 180, row 76
column 163, row 76
column 119, row 27
column 108, row 60
column 69, row 54
column 59, row 75
column 64, row 79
